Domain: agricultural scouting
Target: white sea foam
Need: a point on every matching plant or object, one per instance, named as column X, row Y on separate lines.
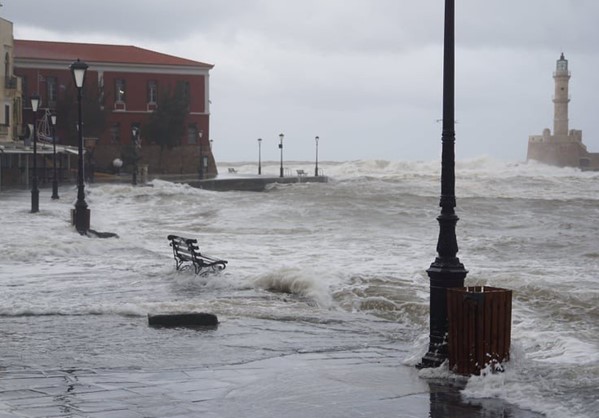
column 528, row 387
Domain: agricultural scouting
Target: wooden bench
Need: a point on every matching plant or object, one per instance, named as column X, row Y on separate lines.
column 301, row 173
column 187, row 254
column 232, row 170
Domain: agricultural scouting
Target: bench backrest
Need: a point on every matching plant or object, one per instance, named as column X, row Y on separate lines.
column 187, row 247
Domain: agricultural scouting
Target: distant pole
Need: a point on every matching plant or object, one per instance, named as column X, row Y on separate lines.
column 135, row 132
column 446, row 271
column 55, row 177
column 201, row 173
column 259, row 156
column 35, row 193
column 281, row 148
column 316, row 168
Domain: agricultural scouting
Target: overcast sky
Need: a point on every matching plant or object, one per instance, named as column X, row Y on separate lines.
column 363, row 75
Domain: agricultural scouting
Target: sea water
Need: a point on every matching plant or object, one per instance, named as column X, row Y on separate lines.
column 312, row 267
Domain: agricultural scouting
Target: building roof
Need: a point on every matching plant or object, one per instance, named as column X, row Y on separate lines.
column 97, row 53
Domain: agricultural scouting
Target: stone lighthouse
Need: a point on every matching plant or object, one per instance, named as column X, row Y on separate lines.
column 563, row 148
column 561, row 97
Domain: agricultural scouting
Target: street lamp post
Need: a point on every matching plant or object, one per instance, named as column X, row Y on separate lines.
column 81, row 213
column 281, row 148
column 316, row 168
column 35, row 193
column 446, row 271
column 201, row 173
column 259, row 156
column 55, row 177
column 135, row 132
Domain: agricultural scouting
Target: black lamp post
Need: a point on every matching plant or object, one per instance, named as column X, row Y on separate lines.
column 35, row 193
column 316, row 168
column 81, row 213
column 55, row 177
column 135, row 133
column 446, row 271
column 281, row 148
column 259, row 156
column 201, row 173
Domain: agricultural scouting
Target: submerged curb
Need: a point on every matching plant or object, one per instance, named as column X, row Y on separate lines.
column 188, row 320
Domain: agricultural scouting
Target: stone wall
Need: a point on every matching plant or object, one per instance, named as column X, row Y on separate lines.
column 562, row 154
column 178, row 160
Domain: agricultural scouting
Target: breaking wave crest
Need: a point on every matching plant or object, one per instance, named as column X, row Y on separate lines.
column 295, row 282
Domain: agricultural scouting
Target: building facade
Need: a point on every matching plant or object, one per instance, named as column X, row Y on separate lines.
column 10, row 92
column 563, row 148
column 16, row 157
column 126, row 83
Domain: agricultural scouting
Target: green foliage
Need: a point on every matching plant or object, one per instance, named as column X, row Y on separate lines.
column 93, row 114
column 166, row 125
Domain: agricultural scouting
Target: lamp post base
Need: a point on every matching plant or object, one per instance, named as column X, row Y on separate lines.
column 443, row 274
column 432, row 359
column 55, row 190
column 80, row 217
column 35, row 200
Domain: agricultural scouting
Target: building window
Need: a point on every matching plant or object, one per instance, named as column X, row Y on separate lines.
column 8, row 78
column 52, row 91
column 184, row 90
column 120, row 89
column 115, row 133
column 152, row 91
column 6, row 115
column 192, row 134
column 25, row 93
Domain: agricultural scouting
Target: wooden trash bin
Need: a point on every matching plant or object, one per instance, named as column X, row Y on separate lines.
column 479, row 331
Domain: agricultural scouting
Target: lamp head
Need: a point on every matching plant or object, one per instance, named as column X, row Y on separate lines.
column 281, row 137
column 35, row 102
column 53, row 119
column 259, row 139
column 78, row 69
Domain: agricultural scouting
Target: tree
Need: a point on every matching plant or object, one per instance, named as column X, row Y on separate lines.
column 166, row 125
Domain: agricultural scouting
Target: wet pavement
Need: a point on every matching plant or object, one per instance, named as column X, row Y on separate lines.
column 338, row 384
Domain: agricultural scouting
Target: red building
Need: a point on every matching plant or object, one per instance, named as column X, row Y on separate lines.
column 129, row 82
